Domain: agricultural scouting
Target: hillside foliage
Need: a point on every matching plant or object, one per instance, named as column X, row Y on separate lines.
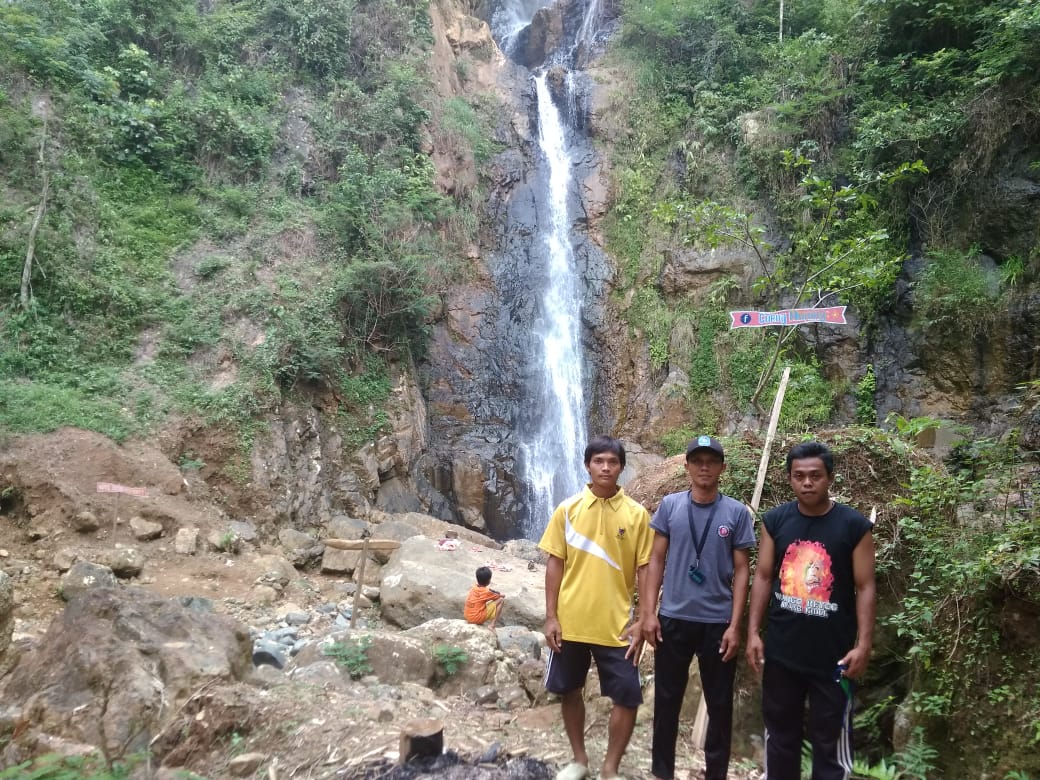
column 870, row 132
column 191, row 186
column 209, row 205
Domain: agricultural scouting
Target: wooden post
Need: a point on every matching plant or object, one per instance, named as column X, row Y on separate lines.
column 379, row 545
column 774, row 418
column 700, row 723
column 360, row 583
column 422, row 738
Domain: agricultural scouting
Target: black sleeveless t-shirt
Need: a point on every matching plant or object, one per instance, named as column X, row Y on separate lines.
column 812, row 608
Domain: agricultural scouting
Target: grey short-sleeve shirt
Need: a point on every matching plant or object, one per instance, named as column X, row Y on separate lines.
column 731, row 529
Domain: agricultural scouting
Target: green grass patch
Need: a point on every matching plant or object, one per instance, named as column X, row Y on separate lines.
column 35, row 407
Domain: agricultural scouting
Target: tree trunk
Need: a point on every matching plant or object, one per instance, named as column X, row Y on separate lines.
column 41, row 209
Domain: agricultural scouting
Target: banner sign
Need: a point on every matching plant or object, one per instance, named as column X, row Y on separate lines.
column 112, row 487
column 832, row 315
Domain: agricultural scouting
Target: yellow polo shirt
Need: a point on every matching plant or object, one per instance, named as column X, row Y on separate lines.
column 602, row 542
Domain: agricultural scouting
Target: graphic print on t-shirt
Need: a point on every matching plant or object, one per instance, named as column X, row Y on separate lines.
column 806, row 579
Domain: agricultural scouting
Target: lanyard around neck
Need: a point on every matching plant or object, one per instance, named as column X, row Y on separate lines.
column 698, row 544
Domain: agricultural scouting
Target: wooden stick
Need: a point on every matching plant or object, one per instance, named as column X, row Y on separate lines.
column 375, row 545
column 360, row 583
column 700, row 723
column 763, row 464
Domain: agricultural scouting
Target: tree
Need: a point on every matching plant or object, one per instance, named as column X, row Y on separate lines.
column 25, row 294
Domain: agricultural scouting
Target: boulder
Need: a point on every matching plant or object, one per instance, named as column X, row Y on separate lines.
column 145, row 530
column 125, row 562
column 521, row 641
column 244, row 530
column 443, row 635
column 187, row 541
column 337, row 561
column 64, row 558
column 391, row 657
column 344, row 527
column 113, row 666
column 427, row 579
column 85, row 576
column 85, row 522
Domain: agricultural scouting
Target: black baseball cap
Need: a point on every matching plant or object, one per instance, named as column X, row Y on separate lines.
column 705, row 443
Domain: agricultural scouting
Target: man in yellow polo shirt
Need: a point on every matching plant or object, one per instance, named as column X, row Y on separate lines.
column 599, row 544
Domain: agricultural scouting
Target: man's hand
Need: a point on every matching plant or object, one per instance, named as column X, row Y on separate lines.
column 652, row 630
column 634, row 635
column 756, row 652
column 730, row 643
column 553, row 634
column 855, row 661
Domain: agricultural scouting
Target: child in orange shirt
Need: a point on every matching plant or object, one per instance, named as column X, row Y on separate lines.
column 483, row 603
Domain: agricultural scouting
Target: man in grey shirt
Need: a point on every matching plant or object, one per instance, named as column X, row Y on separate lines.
column 700, row 553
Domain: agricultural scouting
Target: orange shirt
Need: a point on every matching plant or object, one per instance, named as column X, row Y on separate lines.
column 476, row 603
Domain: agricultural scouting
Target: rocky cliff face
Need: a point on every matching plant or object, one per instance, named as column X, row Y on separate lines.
column 482, row 352
column 452, row 451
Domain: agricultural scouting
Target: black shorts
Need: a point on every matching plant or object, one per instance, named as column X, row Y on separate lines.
column 618, row 678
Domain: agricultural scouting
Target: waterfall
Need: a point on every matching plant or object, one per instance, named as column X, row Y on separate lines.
column 550, row 278
column 511, row 18
column 553, row 447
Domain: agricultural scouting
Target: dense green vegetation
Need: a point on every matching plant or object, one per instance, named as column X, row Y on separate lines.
column 240, row 183
column 216, row 205
column 872, row 129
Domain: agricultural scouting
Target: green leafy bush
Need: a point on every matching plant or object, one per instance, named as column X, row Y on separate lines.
column 953, row 292
column 450, row 658
column 352, row 655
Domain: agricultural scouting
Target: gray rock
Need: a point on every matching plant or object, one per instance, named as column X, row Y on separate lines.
column 485, row 694
column 321, row 672
column 225, row 541
column 479, row 645
column 246, row 764
column 64, row 558
column 186, row 541
column 85, row 576
column 145, row 530
column 343, row 527
column 196, row 603
column 339, row 562
column 110, row 670
column 264, row 594
column 422, row 582
column 286, row 635
column 293, row 540
column 277, row 571
column 532, row 679
column 297, row 618
column 85, row 522
column 125, row 562
column 526, row 549
column 268, row 653
column 521, row 640
column 243, row 530
column 513, row 697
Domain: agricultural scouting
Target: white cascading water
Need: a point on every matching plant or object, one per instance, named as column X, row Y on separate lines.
column 554, row 452
column 512, row 17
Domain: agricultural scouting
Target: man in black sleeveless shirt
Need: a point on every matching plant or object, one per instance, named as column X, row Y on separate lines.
column 815, row 573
